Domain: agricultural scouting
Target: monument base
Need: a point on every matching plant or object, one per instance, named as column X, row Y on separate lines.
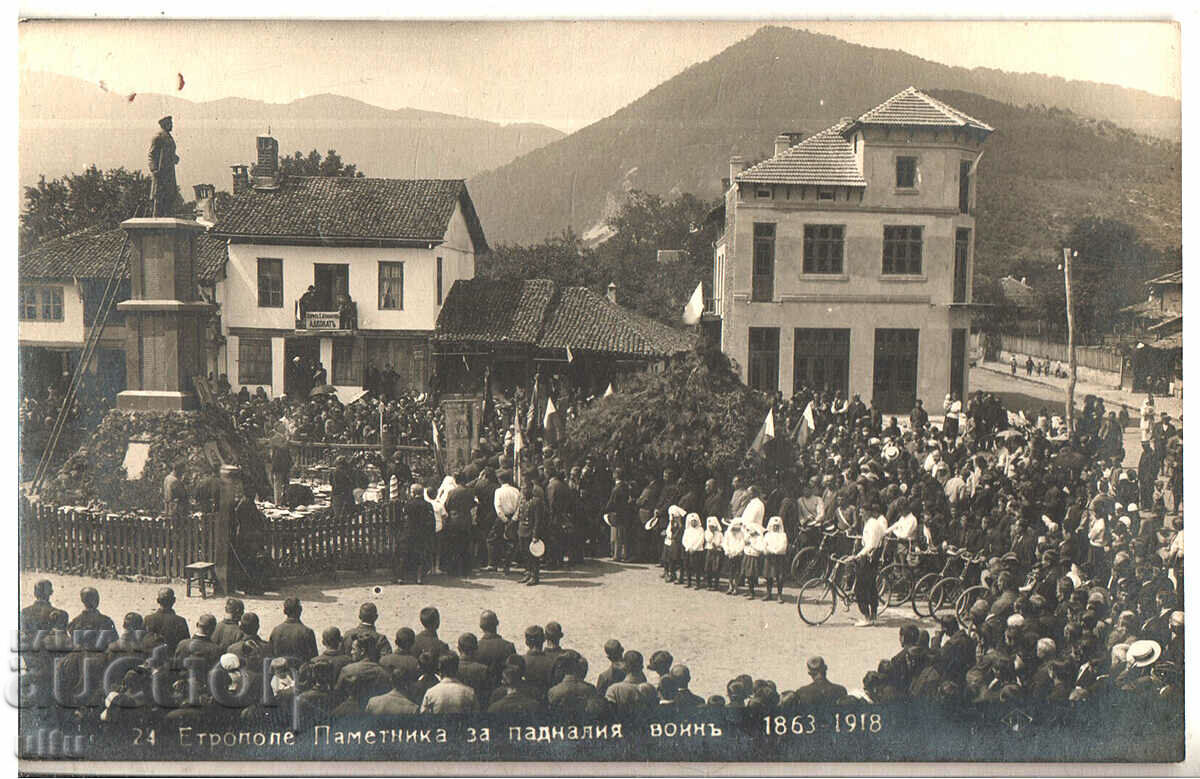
column 152, row 400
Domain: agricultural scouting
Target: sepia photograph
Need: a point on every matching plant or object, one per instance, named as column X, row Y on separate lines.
column 597, row 396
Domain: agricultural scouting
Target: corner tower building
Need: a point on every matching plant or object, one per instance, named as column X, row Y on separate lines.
column 846, row 258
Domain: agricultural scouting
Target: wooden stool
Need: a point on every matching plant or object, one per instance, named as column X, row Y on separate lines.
column 203, row 573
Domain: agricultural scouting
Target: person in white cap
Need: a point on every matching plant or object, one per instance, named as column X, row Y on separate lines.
column 714, row 553
column 692, row 541
column 733, row 544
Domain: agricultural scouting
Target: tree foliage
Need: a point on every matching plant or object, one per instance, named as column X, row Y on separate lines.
column 54, row 208
column 696, row 416
column 643, row 224
column 331, row 165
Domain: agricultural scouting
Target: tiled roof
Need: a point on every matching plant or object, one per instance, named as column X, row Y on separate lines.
column 1017, row 292
column 326, row 208
column 913, row 107
column 1174, row 277
column 1168, row 342
column 90, row 254
column 1147, row 309
column 822, row 159
column 483, row 310
column 539, row 313
column 584, row 320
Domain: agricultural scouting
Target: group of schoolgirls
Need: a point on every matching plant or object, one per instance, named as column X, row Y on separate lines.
column 741, row 550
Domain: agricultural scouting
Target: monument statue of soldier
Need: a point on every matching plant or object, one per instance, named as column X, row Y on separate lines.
column 162, row 169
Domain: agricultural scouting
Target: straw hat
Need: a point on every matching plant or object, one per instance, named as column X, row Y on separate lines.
column 537, row 547
column 1143, row 653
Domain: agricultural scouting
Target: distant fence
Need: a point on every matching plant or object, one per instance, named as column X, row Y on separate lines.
column 88, row 542
column 1097, row 358
column 96, row 543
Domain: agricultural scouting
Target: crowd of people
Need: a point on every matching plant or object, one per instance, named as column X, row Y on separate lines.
column 36, row 417
column 407, row 416
column 235, row 670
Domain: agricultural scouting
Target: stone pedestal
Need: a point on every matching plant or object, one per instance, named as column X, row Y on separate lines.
column 164, row 318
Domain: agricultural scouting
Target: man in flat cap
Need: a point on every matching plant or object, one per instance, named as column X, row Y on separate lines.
column 162, row 169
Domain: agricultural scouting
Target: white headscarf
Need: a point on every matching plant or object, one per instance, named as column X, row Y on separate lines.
column 754, row 541
column 734, row 540
column 693, row 534
column 712, row 534
column 775, row 541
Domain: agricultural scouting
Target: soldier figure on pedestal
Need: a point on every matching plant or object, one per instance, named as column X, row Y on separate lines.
column 162, row 169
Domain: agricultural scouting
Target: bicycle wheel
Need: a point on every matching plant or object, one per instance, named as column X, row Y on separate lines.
column 962, row 604
column 883, row 585
column 816, row 601
column 921, row 603
column 899, row 584
column 943, row 595
column 804, row 564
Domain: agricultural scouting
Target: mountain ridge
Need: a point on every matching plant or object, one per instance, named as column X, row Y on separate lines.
column 680, row 134
column 67, row 124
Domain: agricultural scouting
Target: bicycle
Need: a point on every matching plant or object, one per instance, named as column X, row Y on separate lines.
column 902, row 573
column 923, row 589
column 811, row 560
column 818, row 598
column 952, row 590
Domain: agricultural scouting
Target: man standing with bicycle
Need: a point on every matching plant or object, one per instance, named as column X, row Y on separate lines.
column 866, row 589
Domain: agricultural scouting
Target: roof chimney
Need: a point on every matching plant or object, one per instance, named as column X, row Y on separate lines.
column 736, row 165
column 783, row 142
column 206, row 195
column 265, row 172
column 241, row 179
column 612, row 292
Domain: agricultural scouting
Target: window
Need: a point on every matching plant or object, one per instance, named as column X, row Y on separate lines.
column 902, row 250
column 958, row 361
column 403, row 363
column 764, row 262
column 906, row 172
column 896, row 369
column 270, row 283
column 254, row 361
column 764, row 358
column 964, row 187
column 29, row 306
column 825, row 194
column 391, row 285
column 439, row 280
column 821, row 359
column 347, row 362
column 42, row 303
column 824, row 247
column 962, row 248
column 763, row 193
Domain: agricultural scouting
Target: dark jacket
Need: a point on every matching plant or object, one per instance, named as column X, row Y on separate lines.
column 166, row 623
column 292, row 638
column 820, row 691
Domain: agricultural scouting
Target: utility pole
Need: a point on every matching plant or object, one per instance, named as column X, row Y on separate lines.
column 1068, row 254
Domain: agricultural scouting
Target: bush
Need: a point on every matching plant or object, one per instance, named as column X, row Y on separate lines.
column 696, row 416
column 95, row 473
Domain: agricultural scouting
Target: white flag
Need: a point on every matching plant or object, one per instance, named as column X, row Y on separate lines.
column 807, row 425
column 608, row 392
column 765, row 433
column 695, row 306
column 570, row 357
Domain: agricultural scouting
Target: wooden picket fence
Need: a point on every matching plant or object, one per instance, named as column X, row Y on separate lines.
column 76, row 540
column 356, row 540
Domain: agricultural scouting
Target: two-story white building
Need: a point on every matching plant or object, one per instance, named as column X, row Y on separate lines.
column 393, row 246
column 846, row 258
column 61, row 286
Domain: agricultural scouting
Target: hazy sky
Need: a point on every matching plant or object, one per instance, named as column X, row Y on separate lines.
column 564, row 74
